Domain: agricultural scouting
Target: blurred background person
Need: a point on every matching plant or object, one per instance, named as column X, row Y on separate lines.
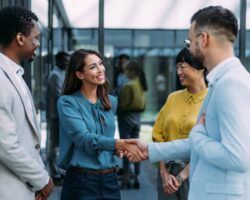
column 175, row 120
column 161, row 87
column 54, row 87
column 120, row 78
column 131, row 102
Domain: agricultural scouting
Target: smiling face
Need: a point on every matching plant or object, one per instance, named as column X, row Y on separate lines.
column 187, row 74
column 93, row 72
column 30, row 43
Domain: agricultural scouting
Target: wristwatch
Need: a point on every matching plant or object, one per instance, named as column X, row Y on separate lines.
column 179, row 179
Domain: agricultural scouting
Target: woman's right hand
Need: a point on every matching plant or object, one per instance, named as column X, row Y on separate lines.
column 169, row 182
column 131, row 149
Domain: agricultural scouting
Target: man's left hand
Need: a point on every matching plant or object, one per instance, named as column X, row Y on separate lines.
column 201, row 121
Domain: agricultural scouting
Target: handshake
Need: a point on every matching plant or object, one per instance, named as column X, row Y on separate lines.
column 134, row 149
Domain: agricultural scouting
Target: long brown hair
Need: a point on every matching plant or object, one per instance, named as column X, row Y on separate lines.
column 73, row 84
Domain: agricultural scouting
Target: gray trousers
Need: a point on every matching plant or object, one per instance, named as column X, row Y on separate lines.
column 53, row 147
column 181, row 194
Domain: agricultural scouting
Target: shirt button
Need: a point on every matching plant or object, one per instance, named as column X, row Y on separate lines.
column 37, row 146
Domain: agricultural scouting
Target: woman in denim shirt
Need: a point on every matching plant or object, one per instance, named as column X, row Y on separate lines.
column 87, row 127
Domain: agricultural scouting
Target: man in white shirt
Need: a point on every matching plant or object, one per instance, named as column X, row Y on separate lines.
column 22, row 173
column 219, row 142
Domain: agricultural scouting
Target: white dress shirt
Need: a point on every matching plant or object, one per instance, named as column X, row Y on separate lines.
column 18, row 72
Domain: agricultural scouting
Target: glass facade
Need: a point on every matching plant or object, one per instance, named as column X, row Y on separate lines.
column 43, row 63
column 151, row 32
column 155, row 50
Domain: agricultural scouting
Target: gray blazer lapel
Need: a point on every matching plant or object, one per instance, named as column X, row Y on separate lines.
column 29, row 112
column 35, row 125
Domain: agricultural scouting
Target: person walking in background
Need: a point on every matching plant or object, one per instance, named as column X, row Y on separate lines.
column 131, row 102
column 22, row 173
column 219, row 142
column 175, row 120
column 87, row 127
column 161, row 88
column 120, row 77
column 54, row 87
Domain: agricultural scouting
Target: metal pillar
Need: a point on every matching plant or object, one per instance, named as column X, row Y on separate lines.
column 101, row 28
column 242, row 32
column 50, row 38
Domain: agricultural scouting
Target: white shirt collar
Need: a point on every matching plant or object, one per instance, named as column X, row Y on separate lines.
column 15, row 68
column 60, row 70
column 212, row 75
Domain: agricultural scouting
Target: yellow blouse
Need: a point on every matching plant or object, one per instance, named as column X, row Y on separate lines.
column 178, row 115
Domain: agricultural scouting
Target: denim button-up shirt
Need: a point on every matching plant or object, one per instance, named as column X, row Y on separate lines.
column 91, row 130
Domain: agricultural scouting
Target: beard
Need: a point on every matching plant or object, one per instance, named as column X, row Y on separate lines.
column 28, row 57
column 199, row 56
column 30, row 60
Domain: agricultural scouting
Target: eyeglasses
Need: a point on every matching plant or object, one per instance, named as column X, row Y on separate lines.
column 180, row 66
column 188, row 41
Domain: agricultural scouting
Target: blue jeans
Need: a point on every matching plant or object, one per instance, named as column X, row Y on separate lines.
column 129, row 127
column 86, row 186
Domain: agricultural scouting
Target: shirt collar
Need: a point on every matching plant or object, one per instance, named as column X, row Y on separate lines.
column 63, row 71
column 97, row 103
column 58, row 68
column 219, row 69
column 15, row 68
column 197, row 97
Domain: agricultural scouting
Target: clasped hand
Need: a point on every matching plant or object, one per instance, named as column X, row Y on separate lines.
column 134, row 149
column 44, row 193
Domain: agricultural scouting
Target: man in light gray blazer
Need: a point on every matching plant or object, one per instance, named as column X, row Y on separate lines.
column 22, row 173
column 219, row 142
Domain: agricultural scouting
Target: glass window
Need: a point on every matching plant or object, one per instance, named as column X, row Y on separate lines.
column 40, row 8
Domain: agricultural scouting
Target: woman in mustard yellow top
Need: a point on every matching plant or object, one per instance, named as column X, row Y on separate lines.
column 175, row 120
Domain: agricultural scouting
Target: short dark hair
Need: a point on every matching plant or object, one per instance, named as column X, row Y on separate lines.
column 13, row 20
column 73, row 84
column 185, row 56
column 221, row 20
column 60, row 56
column 123, row 56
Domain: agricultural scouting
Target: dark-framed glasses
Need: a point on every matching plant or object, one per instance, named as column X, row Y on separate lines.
column 188, row 41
